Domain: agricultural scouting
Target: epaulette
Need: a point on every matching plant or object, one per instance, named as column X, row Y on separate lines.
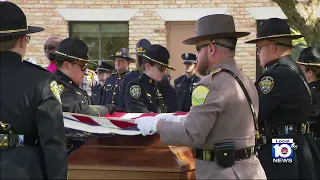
column 214, row 72
column 36, row 66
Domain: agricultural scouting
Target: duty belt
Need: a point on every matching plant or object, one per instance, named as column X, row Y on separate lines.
column 304, row 128
column 16, row 140
column 208, row 155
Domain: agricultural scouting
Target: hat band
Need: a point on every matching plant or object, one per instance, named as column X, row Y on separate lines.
column 141, row 51
column 71, row 56
column 14, row 30
column 158, row 61
column 309, row 64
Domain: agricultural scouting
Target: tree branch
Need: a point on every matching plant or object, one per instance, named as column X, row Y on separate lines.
column 303, row 16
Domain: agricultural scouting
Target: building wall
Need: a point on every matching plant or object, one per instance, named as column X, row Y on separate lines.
column 146, row 23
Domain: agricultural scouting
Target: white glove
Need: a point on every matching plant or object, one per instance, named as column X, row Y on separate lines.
column 147, row 125
column 168, row 117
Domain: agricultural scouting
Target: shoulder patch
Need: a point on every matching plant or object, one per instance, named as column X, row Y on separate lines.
column 56, row 89
column 135, row 91
column 172, row 84
column 199, row 95
column 215, row 71
column 266, row 84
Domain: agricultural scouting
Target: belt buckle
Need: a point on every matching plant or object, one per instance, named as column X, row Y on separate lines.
column 4, row 141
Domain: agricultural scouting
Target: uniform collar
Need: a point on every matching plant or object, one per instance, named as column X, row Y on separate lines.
column 146, row 78
column 191, row 77
column 63, row 77
column 122, row 74
column 221, row 63
column 282, row 60
column 14, row 57
column 315, row 84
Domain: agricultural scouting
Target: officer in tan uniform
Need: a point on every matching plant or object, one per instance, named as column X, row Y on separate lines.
column 220, row 125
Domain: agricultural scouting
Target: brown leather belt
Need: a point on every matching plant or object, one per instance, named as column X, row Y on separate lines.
column 208, row 155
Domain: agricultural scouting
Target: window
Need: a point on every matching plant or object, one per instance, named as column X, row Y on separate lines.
column 299, row 45
column 103, row 38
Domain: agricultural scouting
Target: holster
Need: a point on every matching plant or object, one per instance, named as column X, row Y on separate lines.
column 225, row 154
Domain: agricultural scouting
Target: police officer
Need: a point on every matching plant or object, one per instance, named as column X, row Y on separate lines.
column 309, row 62
column 220, row 125
column 141, row 47
column 285, row 102
column 142, row 95
column 114, row 83
column 98, row 96
column 32, row 136
column 166, row 85
column 185, row 83
column 72, row 58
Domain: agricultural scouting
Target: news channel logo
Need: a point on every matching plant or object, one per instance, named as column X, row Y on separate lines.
column 283, row 150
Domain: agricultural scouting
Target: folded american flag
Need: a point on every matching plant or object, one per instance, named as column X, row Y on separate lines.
column 82, row 127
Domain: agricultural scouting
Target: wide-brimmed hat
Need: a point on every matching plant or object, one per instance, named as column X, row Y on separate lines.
column 159, row 55
column 310, row 56
column 189, row 58
column 215, row 26
column 141, row 46
column 104, row 66
column 122, row 53
column 274, row 28
column 13, row 21
column 72, row 49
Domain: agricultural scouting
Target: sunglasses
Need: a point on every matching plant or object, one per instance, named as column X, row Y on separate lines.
column 161, row 68
column 258, row 48
column 199, row 47
column 49, row 47
column 83, row 67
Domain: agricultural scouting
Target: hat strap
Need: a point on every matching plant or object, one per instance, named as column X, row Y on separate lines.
column 14, row 30
column 309, row 64
column 71, row 56
column 158, row 62
column 223, row 45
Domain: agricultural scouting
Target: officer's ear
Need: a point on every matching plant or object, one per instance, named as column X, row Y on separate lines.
column 147, row 66
column 212, row 50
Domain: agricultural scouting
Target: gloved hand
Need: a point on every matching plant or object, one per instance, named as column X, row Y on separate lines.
column 103, row 109
column 168, row 117
column 147, row 125
column 111, row 107
column 121, row 110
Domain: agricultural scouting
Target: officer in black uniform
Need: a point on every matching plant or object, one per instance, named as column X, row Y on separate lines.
column 185, row 83
column 285, row 103
column 309, row 62
column 166, row 85
column 114, row 83
column 142, row 95
column 72, row 58
column 32, row 136
column 141, row 47
column 98, row 96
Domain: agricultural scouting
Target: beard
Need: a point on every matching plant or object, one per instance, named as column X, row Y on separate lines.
column 202, row 66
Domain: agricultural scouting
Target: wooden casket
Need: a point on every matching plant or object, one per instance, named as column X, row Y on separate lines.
column 130, row 157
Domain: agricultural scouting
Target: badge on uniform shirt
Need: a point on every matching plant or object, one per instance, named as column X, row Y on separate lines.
column 266, row 84
column 56, row 89
column 135, row 91
column 199, row 95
